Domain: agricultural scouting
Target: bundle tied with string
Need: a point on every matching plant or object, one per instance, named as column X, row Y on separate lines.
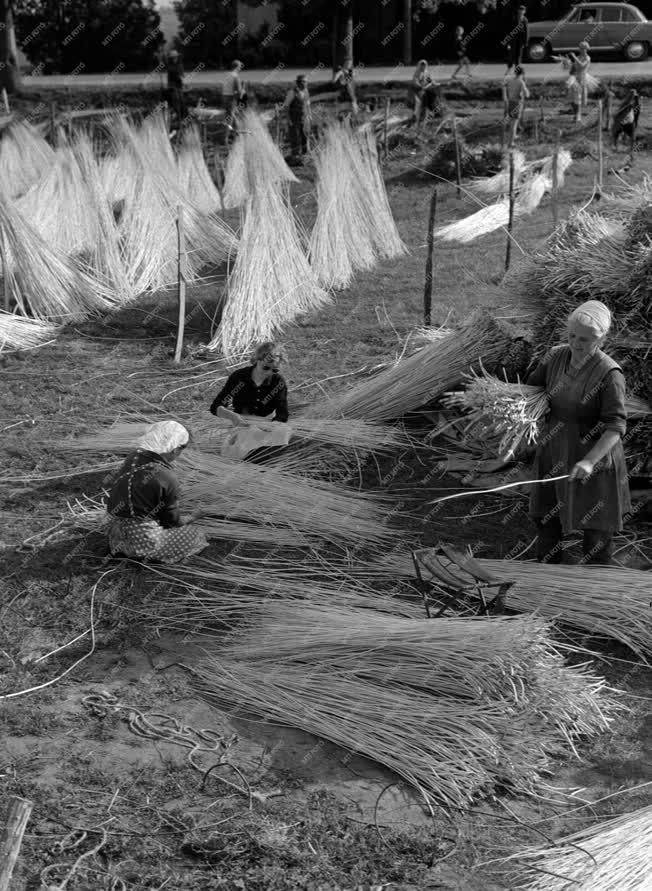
column 424, row 376
column 611, row 854
column 503, row 703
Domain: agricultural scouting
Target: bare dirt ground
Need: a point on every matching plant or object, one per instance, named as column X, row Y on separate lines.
column 127, row 793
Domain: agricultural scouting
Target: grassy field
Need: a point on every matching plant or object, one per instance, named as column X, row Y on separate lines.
column 320, row 818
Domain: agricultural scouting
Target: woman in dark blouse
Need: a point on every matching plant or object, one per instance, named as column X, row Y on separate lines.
column 582, row 438
column 258, row 389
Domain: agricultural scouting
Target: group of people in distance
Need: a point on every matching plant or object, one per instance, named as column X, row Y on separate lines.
column 580, row 450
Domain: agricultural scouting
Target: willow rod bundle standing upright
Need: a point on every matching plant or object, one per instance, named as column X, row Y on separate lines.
column 272, row 282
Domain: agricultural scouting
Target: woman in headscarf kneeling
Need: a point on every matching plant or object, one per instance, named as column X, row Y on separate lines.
column 582, row 438
column 143, row 504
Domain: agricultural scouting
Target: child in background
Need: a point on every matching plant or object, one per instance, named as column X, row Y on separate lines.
column 460, row 51
column 515, row 92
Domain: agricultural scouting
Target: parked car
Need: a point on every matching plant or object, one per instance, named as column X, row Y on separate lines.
column 606, row 27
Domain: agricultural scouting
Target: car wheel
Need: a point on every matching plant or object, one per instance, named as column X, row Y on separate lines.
column 538, row 51
column 636, row 51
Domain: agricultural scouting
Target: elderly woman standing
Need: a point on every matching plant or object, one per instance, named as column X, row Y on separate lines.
column 582, row 439
column 143, row 504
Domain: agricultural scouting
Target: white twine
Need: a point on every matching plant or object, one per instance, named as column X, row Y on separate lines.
column 550, row 479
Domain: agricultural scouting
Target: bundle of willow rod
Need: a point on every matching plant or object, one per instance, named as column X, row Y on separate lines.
column 331, row 252
column 426, row 375
column 498, row 184
column 497, row 410
column 604, row 600
column 449, row 749
column 271, row 282
column 195, row 180
column 385, row 235
column 228, row 589
column 613, row 854
column 254, row 162
column 21, row 333
column 90, row 514
column 266, row 495
column 25, row 157
column 42, row 281
column 509, row 660
column 483, row 221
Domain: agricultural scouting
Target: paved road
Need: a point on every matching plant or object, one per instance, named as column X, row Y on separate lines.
column 616, row 71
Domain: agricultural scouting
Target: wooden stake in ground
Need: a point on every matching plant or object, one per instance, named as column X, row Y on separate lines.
column 5, row 100
column 181, row 284
column 607, row 118
column 458, row 164
column 385, row 148
column 12, row 837
column 277, row 109
column 600, row 158
column 555, row 180
column 53, row 121
column 510, row 221
column 427, row 291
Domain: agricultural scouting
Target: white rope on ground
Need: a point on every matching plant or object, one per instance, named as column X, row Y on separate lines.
column 75, row 664
column 551, row 479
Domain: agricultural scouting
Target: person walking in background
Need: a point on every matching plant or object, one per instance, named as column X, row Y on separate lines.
column 581, row 64
column 297, row 105
column 420, row 80
column 460, row 52
column 517, row 39
column 175, row 97
column 234, row 92
column 515, row 92
column 343, row 79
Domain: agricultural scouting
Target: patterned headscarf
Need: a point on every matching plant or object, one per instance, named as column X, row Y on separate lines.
column 593, row 314
column 163, row 437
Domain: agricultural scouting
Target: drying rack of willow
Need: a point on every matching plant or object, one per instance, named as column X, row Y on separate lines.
column 507, row 414
column 453, row 706
column 608, row 601
column 613, row 855
column 422, row 377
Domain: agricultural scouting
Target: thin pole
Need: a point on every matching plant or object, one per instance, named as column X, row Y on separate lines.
column 555, row 180
column 458, row 165
column 510, row 222
column 427, row 291
column 5, row 100
column 536, row 131
column 385, row 147
column 600, row 158
column 610, row 96
column 53, row 120
column 12, row 838
column 181, row 284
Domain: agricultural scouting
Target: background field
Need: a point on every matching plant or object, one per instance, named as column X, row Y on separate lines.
column 328, row 828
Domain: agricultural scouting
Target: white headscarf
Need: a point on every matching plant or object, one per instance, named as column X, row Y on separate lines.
column 593, row 314
column 163, row 437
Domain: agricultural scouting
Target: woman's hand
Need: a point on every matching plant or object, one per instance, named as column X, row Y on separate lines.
column 582, row 470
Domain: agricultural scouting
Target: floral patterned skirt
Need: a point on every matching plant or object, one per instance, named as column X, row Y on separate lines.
column 147, row 539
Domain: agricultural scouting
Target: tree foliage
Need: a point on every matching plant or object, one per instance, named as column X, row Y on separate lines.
column 208, row 33
column 89, row 35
